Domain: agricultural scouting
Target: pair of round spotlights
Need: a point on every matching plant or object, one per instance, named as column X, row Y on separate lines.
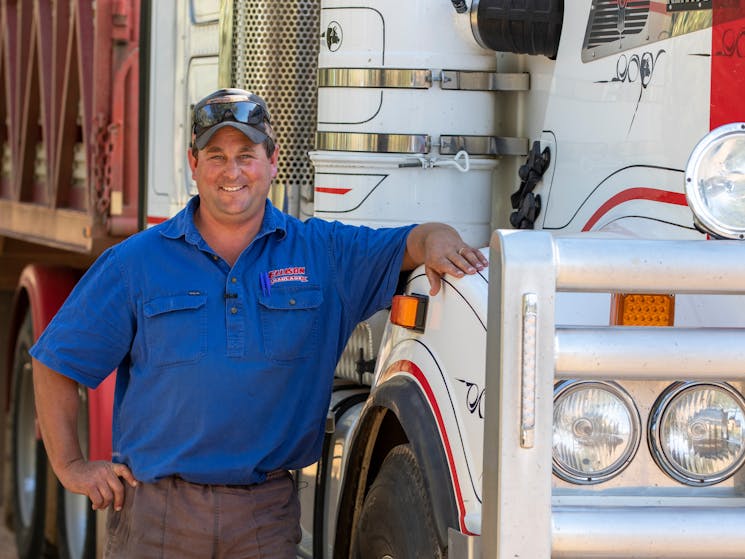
column 695, row 431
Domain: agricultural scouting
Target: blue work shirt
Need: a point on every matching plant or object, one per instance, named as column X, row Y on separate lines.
column 224, row 373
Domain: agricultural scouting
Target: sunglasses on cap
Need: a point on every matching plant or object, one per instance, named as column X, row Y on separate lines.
column 245, row 112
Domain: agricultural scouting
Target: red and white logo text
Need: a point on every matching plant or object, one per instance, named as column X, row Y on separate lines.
column 291, row 273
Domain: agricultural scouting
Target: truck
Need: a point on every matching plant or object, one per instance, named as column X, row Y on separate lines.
column 593, row 148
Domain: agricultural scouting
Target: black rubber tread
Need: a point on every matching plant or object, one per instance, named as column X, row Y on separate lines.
column 396, row 518
column 89, row 548
column 29, row 538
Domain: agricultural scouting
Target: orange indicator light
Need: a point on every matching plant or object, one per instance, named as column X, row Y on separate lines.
column 409, row 311
column 643, row 309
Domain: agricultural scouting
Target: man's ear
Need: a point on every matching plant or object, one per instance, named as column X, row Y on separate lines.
column 192, row 161
column 274, row 159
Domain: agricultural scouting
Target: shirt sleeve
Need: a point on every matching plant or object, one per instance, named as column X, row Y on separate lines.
column 92, row 332
column 368, row 263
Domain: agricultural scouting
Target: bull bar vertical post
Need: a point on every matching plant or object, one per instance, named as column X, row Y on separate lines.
column 517, row 430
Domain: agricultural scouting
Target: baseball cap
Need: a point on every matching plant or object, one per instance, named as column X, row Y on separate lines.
column 243, row 110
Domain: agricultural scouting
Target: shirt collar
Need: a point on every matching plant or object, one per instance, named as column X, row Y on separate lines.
column 182, row 224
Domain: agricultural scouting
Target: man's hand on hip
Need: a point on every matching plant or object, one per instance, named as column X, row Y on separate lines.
column 101, row 481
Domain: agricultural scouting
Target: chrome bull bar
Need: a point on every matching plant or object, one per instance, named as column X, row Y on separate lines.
column 527, row 353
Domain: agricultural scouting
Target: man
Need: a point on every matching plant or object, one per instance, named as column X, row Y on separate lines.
column 225, row 324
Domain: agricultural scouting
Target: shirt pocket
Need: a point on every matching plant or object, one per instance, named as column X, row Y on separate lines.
column 176, row 329
column 290, row 321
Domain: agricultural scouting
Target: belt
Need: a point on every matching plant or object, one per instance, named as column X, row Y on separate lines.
column 270, row 476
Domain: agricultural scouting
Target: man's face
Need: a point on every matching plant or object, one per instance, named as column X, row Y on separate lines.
column 233, row 176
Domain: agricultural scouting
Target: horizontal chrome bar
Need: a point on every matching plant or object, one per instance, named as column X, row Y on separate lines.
column 637, row 266
column 374, row 143
column 646, row 532
column 484, row 81
column 374, row 77
column 483, row 145
column 644, row 353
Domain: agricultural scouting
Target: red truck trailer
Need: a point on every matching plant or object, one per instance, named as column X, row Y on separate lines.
column 69, row 188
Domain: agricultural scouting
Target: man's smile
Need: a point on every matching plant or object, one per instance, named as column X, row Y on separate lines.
column 232, row 188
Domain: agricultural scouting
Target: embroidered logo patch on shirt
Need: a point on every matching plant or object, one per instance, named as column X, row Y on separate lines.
column 291, row 273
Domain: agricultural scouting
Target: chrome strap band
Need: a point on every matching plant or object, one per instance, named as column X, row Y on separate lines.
column 374, row 77
column 419, row 143
column 376, row 143
column 396, row 78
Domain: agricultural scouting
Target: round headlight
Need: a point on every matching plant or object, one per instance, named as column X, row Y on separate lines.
column 715, row 182
column 596, row 431
column 696, row 432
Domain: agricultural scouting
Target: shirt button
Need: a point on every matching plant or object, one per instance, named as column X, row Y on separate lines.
column 292, row 301
column 233, row 310
column 233, row 280
column 214, row 257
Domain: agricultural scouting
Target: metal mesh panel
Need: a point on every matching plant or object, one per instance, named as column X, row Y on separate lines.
column 275, row 54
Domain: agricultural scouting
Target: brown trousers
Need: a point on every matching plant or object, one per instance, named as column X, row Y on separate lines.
column 173, row 518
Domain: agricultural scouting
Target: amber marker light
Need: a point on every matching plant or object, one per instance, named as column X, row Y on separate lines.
column 410, row 311
column 643, row 309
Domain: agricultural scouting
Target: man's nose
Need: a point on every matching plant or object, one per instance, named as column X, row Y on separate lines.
column 232, row 167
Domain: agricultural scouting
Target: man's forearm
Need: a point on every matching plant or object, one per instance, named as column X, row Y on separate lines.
column 57, row 405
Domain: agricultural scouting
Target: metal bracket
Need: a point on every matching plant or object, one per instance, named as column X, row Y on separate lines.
column 484, row 81
column 483, row 145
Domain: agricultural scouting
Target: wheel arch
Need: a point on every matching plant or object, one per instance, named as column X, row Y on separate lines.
column 41, row 290
column 398, row 412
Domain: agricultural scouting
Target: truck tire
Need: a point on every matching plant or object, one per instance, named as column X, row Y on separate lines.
column 76, row 526
column 76, row 520
column 28, row 458
column 396, row 519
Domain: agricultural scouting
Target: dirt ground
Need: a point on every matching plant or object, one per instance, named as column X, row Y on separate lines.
column 7, row 542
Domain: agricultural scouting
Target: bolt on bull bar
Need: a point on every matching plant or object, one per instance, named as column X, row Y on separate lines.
column 527, row 353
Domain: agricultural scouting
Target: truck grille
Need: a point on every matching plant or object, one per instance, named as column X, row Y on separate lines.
column 275, row 54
